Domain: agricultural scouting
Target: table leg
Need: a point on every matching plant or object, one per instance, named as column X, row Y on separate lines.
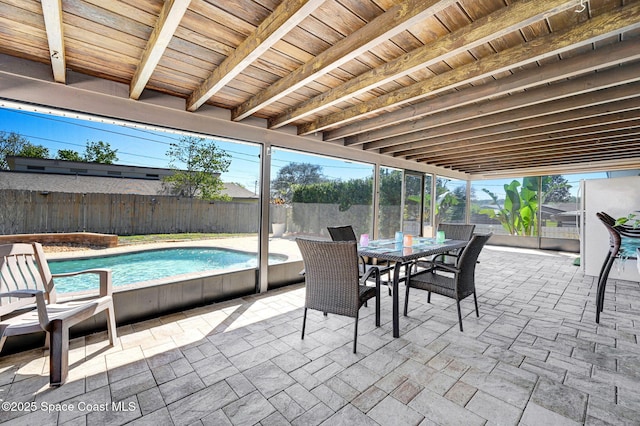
column 396, row 299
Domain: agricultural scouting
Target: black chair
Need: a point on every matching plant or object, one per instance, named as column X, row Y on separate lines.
column 333, row 283
column 452, row 231
column 346, row 233
column 623, row 229
column 454, row 281
column 616, row 232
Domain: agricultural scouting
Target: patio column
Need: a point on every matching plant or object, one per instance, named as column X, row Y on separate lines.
column 262, row 283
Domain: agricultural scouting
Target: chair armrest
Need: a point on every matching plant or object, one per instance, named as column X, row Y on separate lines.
column 443, row 255
column 437, row 266
column 41, row 306
column 106, row 282
column 369, row 273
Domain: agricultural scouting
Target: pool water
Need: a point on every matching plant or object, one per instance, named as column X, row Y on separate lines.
column 148, row 265
column 629, row 247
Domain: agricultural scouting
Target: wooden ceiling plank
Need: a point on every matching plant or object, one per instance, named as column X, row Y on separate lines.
column 626, row 105
column 533, row 147
column 498, row 24
column 531, row 130
column 543, row 100
column 393, row 21
column 563, row 169
column 565, row 148
column 536, row 160
column 283, row 19
column 103, row 15
column 620, row 20
column 554, row 162
column 168, row 21
column 52, row 12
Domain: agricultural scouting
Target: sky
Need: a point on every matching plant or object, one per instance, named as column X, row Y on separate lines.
column 147, row 147
column 135, row 146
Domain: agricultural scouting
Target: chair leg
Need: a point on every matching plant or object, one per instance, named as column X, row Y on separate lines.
column 475, row 300
column 355, row 334
column 459, row 315
column 304, row 322
column 602, row 285
column 58, row 353
column 111, row 326
column 378, row 305
column 605, row 277
column 429, row 297
column 406, row 299
column 599, row 287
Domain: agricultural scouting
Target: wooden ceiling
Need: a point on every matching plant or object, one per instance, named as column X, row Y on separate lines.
column 485, row 87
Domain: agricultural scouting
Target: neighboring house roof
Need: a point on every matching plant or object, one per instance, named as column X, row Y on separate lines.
column 234, row 190
column 97, row 184
column 83, row 168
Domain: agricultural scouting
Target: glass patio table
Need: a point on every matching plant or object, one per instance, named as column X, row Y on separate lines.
column 401, row 255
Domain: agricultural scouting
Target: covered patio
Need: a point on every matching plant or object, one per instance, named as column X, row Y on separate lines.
column 462, row 89
column 535, row 356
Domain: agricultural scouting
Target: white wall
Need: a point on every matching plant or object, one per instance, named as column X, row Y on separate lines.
column 617, row 197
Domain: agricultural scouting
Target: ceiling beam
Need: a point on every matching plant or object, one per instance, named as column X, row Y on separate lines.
column 398, row 18
column 558, row 144
column 531, row 130
column 563, row 169
column 512, row 108
column 168, row 21
column 609, row 106
column 284, row 18
column 388, row 125
column 605, row 151
column 52, row 12
column 598, row 28
column 497, row 24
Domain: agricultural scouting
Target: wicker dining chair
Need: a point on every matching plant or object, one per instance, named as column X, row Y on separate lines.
column 452, row 231
column 454, row 281
column 457, row 231
column 615, row 241
column 623, row 229
column 333, row 284
column 346, row 233
column 616, row 233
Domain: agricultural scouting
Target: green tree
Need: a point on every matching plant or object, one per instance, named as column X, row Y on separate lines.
column 449, row 203
column 344, row 194
column 390, row 202
column 15, row 144
column 282, row 187
column 203, row 162
column 518, row 212
column 100, row 152
column 34, row 151
column 390, row 187
column 68, row 155
column 555, row 189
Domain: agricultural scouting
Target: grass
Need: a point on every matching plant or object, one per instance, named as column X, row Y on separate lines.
column 155, row 238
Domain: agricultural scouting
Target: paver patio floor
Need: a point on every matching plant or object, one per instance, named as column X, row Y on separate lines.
column 534, row 357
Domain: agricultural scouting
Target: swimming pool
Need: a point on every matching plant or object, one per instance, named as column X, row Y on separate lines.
column 131, row 268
